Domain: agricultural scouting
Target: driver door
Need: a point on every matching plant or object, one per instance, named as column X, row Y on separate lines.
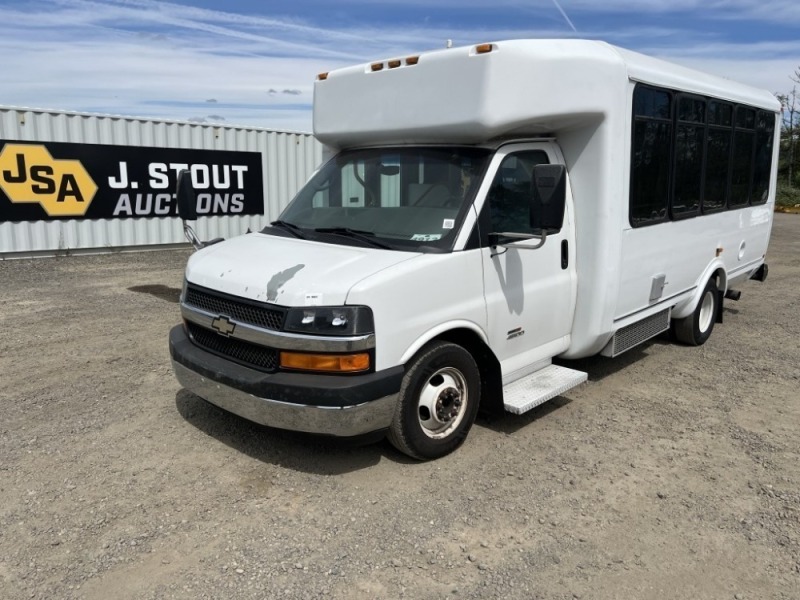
column 529, row 293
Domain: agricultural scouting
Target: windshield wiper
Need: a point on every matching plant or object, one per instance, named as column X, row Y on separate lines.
column 368, row 237
column 291, row 228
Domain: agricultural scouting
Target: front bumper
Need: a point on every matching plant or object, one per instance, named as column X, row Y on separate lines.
column 343, row 406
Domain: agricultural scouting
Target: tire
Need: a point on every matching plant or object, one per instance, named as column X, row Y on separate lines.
column 695, row 329
column 438, row 402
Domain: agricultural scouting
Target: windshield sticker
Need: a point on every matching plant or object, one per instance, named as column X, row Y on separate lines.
column 449, row 224
column 426, row 237
column 314, row 299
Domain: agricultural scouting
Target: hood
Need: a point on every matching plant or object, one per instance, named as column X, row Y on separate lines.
column 287, row 271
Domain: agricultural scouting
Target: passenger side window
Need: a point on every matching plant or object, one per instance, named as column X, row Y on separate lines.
column 650, row 163
column 690, row 138
column 510, row 193
column 744, row 138
column 695, row 155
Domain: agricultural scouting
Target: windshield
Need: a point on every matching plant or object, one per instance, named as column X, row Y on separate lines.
column 408, row 198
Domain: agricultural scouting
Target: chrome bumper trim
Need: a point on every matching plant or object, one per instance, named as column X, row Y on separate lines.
column 341, row 422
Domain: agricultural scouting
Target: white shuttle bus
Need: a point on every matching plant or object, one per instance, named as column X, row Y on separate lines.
column 484, row 210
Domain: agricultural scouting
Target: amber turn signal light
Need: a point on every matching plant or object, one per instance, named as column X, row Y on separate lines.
column 484, row 48
column 326, row 363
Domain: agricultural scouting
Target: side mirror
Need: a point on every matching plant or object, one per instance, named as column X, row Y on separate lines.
column 548, row 197
column 187, row 199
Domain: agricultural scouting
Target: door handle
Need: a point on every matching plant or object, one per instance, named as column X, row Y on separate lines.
column 564, row 254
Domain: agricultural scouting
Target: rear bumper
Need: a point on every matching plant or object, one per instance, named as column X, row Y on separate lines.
column 343, row 406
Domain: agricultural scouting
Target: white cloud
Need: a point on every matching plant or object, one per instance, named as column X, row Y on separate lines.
column 780, row 11
column 158, row 59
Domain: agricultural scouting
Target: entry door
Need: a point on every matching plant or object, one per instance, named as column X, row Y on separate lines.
column 530, row 293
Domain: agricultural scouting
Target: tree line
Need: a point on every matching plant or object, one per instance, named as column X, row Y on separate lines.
column 789, row 162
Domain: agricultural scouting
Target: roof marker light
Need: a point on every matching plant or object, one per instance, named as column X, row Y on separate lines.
column 412, row 60
column 484, row 48
column 393, row 64
column 376, row 66
column 322, row 77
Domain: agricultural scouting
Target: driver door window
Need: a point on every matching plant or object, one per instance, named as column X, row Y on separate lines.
column 510, row 192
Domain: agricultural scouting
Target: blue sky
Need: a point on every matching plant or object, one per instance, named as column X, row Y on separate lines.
column 254, row 63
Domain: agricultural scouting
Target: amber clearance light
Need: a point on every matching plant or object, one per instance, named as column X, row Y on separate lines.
column 328, row 363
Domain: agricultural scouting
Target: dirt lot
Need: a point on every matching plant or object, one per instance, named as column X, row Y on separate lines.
column 673, row 474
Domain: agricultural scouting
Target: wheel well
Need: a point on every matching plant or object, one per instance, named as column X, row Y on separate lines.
column 489, row 366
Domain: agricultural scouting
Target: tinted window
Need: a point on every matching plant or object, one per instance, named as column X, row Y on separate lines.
column 648, row 102
column 765, row 133
column 650, row 184
column 690, row 139
column 691, row 152
column 720, row 113
column 692, row 110
column 689, row 142
column 741, row 171
column 509, row 196
column 745, row 118
column 652, row 149
column 718, row 157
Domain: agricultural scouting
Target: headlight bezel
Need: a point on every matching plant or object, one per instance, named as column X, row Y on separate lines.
column 333, row 321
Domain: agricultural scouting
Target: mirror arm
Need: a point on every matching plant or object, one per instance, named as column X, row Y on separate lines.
column 494, row 239
column 192, row 236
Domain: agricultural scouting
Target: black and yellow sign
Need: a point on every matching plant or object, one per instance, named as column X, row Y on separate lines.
column 42, row 181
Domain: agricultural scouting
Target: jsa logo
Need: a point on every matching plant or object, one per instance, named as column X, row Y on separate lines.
column 29, row 174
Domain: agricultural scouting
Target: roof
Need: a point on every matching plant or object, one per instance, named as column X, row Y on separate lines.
column 520, row 87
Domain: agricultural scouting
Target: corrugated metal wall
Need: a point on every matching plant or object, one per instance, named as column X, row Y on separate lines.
column 288, row 159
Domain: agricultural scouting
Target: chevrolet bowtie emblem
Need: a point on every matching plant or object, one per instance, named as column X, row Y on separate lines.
column 223, row 325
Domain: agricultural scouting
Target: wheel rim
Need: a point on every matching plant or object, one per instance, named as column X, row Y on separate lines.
column 706, row 312
column 442, row 403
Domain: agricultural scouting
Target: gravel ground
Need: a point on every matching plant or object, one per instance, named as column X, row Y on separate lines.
column 672, row 474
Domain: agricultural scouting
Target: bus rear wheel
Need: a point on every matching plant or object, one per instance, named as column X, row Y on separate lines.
column 695, row 329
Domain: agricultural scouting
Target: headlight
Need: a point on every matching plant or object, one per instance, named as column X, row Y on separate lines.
column 330, row 320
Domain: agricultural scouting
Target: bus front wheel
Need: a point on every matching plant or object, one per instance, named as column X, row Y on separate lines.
column 438, row 402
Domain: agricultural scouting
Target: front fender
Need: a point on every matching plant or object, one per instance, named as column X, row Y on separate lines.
column 439, row 330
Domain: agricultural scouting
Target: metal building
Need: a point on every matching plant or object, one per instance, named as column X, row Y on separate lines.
column 88, row 182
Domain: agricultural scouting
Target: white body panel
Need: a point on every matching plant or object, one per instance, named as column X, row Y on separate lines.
column 288, row 271
column 417, row 300
column 682, row 250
